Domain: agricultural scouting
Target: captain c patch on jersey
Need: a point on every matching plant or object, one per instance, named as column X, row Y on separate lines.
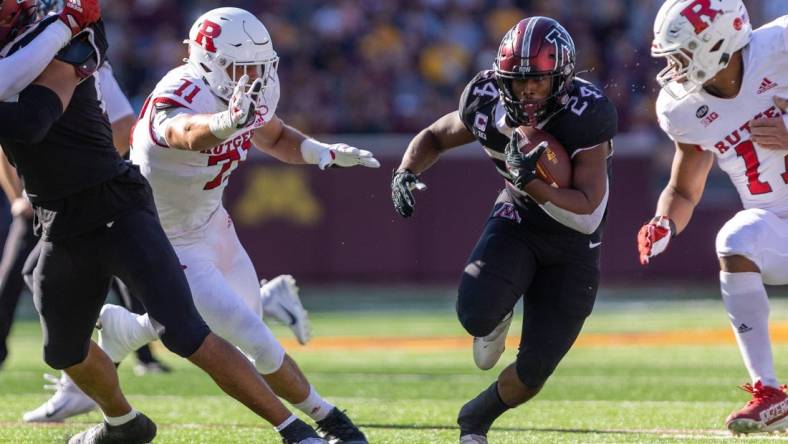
column 480, row 125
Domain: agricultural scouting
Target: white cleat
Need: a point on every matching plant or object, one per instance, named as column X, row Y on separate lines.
column 281, row 302
column 487, row 350
column 473, row 439
column 67, row 401
column 112, row 322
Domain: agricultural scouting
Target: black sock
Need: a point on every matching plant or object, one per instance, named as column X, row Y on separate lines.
column 144, row 355
column 297, row 431
column 478, row 414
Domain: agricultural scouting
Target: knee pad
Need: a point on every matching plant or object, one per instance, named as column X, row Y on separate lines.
column 476, row 307
column 743, row 235
column 478, row 325
column 267, row 358
column 60, row 355
column 186, row 340
column 534, row 366
column 244, row 329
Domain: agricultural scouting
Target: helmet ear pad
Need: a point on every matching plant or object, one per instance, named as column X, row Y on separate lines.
column 536, row 47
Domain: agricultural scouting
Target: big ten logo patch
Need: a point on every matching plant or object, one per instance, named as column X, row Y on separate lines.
column 261, row 117
column 507, row 210
column 277, row 193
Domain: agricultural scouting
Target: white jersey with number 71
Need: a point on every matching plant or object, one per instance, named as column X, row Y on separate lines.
column 188, row 185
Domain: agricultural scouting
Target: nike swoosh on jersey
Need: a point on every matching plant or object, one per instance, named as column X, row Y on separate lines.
column 592, row 244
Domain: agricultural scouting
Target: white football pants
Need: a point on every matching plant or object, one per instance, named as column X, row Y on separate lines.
column 760, row 236
column 226, row 291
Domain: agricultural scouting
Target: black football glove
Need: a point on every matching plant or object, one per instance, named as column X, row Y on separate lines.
column 402, row 184
column 522, row 167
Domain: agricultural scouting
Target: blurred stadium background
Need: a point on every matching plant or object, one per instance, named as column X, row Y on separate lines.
column 373, row 73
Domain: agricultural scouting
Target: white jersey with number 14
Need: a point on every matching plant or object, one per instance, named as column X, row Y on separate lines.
column 721, row 125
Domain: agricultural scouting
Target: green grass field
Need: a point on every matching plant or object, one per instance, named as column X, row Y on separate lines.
column 600, row 394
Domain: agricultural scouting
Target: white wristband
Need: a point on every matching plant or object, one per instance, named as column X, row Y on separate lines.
column 311, row 150
column 221, row 125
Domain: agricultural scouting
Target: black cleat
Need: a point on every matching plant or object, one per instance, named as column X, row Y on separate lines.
column 471, row 424
column 337, row 428
column 299, row 432
column 140, row 430
column 306, row 441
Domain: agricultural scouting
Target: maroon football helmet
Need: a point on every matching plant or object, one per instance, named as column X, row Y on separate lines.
column 536, row 47
column 14, row 16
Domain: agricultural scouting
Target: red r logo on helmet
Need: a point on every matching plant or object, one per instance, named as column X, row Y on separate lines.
column 208, row 31
column 698, row 9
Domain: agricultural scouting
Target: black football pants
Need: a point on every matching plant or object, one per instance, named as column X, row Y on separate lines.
column 144, row 354
column 556, row 274
column 72, row 277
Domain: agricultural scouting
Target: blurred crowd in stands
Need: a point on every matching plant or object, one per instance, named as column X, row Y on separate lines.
column 397, row 65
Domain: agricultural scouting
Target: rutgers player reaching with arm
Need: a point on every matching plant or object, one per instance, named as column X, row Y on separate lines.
column 721, row 76
column 97, row 218
column 194, row 130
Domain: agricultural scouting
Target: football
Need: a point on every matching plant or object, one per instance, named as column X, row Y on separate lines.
column 555, row 166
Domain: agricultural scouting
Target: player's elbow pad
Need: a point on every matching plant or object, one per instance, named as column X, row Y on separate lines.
column 29, row 119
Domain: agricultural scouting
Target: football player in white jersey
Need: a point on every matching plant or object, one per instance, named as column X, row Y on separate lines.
column 720, row 80
column 193, row 131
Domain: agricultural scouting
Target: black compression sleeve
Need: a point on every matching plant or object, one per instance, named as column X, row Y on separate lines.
column 29, row 119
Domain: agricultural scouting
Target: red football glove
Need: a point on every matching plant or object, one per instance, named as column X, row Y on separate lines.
column 77, row 14
column 653, row 238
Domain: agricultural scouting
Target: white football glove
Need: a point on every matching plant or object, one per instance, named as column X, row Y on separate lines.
column 343, row 155
column 240, row 111
column 338, row 154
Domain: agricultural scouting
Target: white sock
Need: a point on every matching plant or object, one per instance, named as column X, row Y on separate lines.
column 316, row 407
column 147, row 331
column 748, row 309
column 134, row 335
column 120, row 420
column 286, row 423
column 142, row 332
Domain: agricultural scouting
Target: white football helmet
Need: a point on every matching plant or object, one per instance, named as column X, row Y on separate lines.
column 698, row 38
column 225, row 38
